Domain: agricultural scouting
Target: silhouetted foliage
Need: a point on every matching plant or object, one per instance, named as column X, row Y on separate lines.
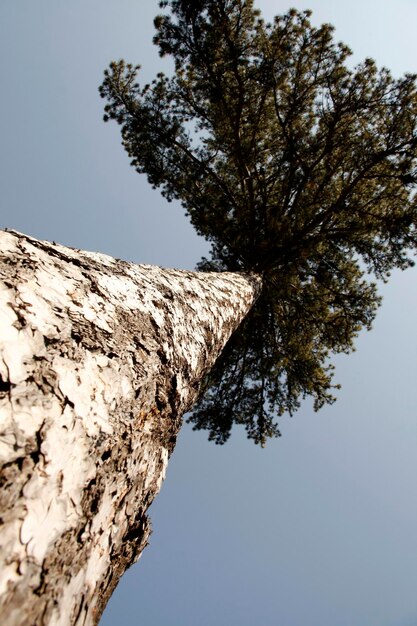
column 295, row 167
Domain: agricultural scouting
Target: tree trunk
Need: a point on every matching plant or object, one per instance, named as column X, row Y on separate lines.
column 99, row 359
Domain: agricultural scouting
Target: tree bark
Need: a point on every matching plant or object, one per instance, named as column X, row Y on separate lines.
column 99, row 359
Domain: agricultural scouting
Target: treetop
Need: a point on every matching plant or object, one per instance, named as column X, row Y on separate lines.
column 294, row 166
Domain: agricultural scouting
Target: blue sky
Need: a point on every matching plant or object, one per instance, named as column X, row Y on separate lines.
column 319, row 528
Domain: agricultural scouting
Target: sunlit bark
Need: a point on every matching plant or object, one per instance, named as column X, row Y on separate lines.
column 99, row 359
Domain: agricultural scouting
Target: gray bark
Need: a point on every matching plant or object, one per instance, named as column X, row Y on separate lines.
column 99, row 359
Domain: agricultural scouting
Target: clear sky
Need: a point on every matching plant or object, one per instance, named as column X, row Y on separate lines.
column 318, row 529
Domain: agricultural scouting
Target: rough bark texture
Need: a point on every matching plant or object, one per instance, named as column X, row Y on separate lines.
column 99, row 359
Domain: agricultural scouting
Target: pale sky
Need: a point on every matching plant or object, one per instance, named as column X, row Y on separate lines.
column 319, row 528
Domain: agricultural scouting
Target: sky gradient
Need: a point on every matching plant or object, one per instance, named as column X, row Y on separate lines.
column 319, row 528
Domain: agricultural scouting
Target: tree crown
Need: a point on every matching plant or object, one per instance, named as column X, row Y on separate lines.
column 293, row 166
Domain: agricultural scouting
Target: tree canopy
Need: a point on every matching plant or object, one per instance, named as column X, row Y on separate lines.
column 293, row 166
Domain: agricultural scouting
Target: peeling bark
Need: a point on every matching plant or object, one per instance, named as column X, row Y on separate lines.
column 99, row 359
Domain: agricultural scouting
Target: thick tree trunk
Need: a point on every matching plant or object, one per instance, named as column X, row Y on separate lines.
column 99, row 359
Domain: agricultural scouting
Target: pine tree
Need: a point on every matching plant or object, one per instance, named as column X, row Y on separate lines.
column 293, row 166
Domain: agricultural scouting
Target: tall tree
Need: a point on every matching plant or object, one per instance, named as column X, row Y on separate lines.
column 295, row 167
column 301, row 173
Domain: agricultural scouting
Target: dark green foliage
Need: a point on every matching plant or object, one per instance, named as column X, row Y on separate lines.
column 294, row 167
